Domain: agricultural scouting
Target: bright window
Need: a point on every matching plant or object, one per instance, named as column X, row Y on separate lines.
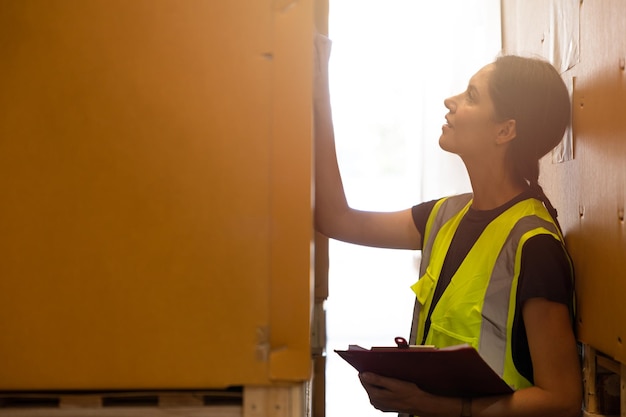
column 392, row 64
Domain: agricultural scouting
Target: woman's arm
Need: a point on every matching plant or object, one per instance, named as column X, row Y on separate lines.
column 333, row 216
column 556, row 367
column 558, row 380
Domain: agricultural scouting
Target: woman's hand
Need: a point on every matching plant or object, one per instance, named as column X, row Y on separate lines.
column 388, row 394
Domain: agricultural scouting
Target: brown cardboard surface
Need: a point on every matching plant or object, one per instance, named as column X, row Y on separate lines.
column 589, row 191
column 292, row 238
column 156, row 204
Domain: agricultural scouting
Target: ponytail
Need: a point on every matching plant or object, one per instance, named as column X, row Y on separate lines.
column 530, row 172
column 539, row 194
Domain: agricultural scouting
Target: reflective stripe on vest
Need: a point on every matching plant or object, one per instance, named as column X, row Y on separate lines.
column 493, row 264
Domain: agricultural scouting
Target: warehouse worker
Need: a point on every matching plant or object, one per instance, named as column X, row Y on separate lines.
column 494, row 271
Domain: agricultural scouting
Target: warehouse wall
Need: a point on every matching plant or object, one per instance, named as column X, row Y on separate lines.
column 589, row 191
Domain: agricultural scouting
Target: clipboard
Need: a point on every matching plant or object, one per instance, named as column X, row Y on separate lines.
column 455, row 371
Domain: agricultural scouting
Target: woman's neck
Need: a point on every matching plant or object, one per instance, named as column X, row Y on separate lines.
column 494, row 187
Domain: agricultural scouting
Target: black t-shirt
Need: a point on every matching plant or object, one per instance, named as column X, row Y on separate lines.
column 545, row 270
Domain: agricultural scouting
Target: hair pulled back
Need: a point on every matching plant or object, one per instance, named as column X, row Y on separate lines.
column 530, row 91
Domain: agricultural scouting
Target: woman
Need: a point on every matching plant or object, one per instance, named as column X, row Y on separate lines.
column 502, row 235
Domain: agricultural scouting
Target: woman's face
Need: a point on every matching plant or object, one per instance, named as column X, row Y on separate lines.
column 470, row 128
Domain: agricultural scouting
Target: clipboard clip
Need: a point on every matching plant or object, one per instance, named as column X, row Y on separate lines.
column 401, row 342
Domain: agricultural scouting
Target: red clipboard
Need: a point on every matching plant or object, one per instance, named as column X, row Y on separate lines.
column 455, row 371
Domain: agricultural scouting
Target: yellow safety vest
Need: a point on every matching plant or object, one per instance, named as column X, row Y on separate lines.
column 478, row 306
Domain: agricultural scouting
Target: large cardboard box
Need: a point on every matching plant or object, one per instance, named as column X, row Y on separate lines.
column 155, row 183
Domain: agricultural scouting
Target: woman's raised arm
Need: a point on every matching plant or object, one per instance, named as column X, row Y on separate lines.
column 333, row 216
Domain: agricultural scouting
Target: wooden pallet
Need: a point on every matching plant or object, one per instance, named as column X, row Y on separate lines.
column 604, row 384
column 273, row 401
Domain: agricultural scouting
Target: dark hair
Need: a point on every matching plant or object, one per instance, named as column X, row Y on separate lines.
column 530, row 91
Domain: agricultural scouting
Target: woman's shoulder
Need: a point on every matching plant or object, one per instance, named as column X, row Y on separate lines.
column 546, row 270
column 421, row 212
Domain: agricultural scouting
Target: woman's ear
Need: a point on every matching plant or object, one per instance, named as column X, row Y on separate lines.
column 506, row 131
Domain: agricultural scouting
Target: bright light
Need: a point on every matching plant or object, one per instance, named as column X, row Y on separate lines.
column 392, row 64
